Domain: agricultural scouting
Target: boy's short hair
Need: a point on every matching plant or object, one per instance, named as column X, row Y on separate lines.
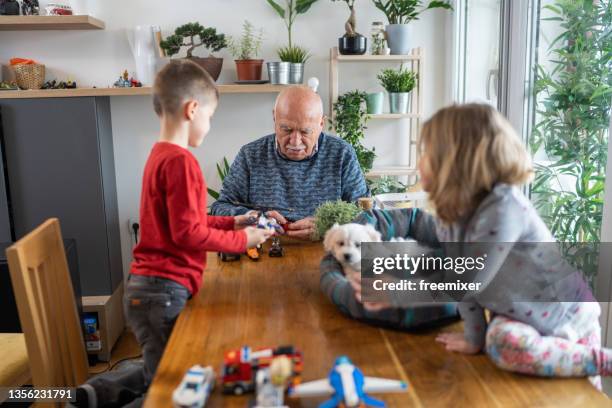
column 179, row 81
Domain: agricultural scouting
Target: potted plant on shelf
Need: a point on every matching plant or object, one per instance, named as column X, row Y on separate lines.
column 349, row 121
column 398, row 83
column 192, row 36
column 352, row 43
column 244, row 50
column 400, row 13
column 290, row 70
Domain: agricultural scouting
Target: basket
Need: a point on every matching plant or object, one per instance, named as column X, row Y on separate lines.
column 29, row 76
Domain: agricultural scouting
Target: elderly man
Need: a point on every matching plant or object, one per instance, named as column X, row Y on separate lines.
column 295, row 169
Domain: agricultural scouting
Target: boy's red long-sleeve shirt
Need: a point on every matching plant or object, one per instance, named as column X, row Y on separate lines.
column 175, row 229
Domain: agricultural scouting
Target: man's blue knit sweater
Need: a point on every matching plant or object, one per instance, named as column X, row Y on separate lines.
column 261, row 176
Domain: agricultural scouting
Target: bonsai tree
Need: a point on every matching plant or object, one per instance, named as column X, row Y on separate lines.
column 192, row 36
column 405, row 11
column 249, row 45
column 351, row 24
column 332, row 212
column 350, row 118
column 397, row 81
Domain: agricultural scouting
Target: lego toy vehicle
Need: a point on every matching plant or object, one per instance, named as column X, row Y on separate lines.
column 194, row 389
column 240, row 366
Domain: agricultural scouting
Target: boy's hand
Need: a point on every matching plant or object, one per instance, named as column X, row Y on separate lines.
column 256, row 236
column 457, row 342
column 246, row 219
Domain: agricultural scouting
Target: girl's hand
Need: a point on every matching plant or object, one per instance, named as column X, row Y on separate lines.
column 457, row 342
column 246, row 219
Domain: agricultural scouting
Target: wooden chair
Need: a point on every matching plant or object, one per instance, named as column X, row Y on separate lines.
column 47, row 309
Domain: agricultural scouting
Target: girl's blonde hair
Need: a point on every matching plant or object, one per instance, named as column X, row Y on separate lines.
column 470, row 148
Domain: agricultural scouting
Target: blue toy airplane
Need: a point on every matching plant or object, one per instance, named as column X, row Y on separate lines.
column 347, row 385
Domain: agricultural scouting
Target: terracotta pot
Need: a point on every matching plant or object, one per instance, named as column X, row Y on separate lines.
column 212, row 65
column 249, row 70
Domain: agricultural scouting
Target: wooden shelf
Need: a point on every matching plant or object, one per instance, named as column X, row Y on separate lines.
column 23, row 23
column 395, row 116
column 375, row 58
column 79, row 92
column 392, row 171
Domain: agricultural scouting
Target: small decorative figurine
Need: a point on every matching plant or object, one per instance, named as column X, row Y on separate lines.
column 240, row 367
column 195, row 388
column 271, row 383
column 9, row 8
column 53, row 84
column 123, row 81
column 57, row 9
column 276, row 250
column 30, row 8
column 347, row 386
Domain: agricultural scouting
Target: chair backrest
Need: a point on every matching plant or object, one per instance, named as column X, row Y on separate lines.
column 47, row 309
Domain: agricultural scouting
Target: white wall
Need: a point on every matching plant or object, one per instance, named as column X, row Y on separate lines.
column 98, row 57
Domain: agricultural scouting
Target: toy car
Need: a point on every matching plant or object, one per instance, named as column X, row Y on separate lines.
column 227, row 257
column 194, row 389
column 276, row 250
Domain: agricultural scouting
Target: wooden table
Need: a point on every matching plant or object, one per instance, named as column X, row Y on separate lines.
column 277, row 301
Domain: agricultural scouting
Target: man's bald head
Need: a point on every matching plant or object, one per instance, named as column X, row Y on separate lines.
column 298, row 121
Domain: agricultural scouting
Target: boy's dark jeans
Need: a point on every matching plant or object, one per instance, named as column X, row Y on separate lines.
column 151, row 307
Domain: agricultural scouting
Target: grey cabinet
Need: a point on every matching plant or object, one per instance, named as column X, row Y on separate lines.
column 59, row 163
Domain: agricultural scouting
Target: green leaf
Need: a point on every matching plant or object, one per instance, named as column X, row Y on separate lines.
column 277, row 7
column 302, row 6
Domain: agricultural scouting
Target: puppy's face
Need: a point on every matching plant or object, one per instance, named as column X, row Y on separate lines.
column 344, row 242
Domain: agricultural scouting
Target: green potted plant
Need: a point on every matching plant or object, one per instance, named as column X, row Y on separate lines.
column 192, row 36
column 245, row 50
column 290, row 70
column 398, row 83
column 349, row 121
column 352, row 43
column 333, row 212
column 400, row 13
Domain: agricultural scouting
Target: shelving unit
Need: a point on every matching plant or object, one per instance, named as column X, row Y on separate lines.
column 23, row 23
column 414, row 61
column 146, row 90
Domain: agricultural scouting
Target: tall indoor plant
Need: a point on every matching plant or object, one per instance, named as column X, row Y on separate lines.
column 571, row 126
column 293, row 57
column 349, row 121
column 398, row 83
column 248, row 68
column 192, row 36
column 352, row 43
column 400, row 13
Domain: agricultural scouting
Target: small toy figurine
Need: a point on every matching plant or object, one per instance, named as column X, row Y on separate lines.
column 135, row 84
column 53, row 84
column 123, row 81
column 269, row 223
column 227, row 257
column 348, row 387
column 240, row 367
column 9, row 8
column 253, row 253
column 276, row 250
column 57, row 9
column 30, row 8
column 195, row 388
column 271, row 383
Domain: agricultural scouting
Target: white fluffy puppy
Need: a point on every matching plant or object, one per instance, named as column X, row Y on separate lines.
column 344, row 243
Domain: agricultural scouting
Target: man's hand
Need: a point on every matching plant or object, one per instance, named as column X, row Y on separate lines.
column 457, row 342
column 302, row 229
column 277, row 216
column 246, row 219
column 256, row 236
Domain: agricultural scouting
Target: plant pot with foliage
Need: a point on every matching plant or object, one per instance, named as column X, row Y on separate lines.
column 349, row 122
column 333, row 212
column 192, row 36
column 352, row 43
column 245, row 50
column 291, row 68
column 398, row 83
column 400, row 13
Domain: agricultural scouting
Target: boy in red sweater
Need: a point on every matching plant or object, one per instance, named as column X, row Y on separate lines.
column 175, row 230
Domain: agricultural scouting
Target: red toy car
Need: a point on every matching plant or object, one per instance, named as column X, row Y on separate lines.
column 240, row 367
